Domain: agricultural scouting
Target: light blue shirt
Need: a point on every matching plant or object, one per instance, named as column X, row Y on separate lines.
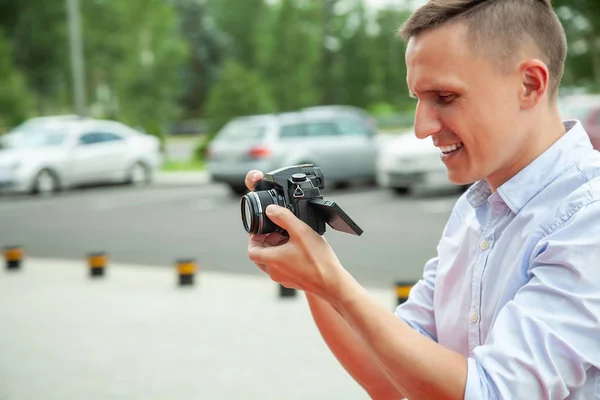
column 515, row 286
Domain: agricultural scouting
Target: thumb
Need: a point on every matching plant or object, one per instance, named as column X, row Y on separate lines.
column 286, row 219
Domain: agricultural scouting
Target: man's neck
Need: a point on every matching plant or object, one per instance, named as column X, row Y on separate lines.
column 540, row 139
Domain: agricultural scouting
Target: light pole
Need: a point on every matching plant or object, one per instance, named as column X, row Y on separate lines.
column 77, row 58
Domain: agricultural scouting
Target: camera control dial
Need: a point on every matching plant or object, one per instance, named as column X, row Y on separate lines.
column 298, row 177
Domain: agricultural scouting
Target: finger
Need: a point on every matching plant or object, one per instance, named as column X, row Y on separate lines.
column 252, row 177
column 266, row 255
column 262, row 267
column 275, row 239
column 286, row 219
column 257, row 239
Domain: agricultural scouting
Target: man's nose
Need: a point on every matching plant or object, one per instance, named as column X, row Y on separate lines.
column 427, row 121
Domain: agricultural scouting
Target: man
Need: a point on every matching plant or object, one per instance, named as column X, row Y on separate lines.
column 510, row 306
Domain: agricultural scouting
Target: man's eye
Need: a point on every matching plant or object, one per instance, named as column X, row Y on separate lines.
column 446, row 99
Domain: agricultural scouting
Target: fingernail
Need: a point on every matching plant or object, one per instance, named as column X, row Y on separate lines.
column 256, row 175
column 271, row 209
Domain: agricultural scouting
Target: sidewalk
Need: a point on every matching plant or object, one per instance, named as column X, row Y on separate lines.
column 134, row 334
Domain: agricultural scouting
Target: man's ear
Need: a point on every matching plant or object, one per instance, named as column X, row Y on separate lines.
column 534, row 82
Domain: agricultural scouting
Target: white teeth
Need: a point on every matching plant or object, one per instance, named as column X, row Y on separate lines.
column 452, row 147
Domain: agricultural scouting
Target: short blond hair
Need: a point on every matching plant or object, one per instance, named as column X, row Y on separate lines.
column 498, row 28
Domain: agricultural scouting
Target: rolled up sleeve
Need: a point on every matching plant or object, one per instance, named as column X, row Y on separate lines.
column 417, row 311
column 544, row 341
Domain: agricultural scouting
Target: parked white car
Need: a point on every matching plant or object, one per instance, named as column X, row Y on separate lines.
column 48, row 154
column 408, row 164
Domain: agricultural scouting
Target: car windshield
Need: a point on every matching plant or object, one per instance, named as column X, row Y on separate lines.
column 240, row 130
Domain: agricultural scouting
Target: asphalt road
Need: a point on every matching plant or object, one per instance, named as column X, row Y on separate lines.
column 157, row 225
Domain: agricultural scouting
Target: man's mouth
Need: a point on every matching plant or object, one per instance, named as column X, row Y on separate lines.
column 451, row 148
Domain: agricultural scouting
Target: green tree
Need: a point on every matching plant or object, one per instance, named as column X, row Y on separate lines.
column 357, row 60
column 238, row 92
column 581, row 19
column 37, row 32
column 389, row 66
column 135, row 55
column 207, row 45
column 16, row 101
column 296, row 56
column 245, row 25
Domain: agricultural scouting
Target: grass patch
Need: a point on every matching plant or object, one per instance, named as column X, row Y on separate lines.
column 183, row 166
column 394, row 129
column 184, row 138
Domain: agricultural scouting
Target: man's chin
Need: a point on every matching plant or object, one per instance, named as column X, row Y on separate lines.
column 461, row 179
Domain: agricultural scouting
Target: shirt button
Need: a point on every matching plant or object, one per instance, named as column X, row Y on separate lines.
column 484, row 245
column 473, row 317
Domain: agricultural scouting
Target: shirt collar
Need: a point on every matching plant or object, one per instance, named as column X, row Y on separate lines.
column 521, row 188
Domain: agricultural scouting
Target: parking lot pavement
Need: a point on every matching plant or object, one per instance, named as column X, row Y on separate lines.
column 154, row 226
column 134, row 334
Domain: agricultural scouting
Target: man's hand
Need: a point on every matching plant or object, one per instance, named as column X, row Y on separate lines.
column 302, row 261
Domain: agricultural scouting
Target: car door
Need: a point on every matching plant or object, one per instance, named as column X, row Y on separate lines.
column 114, row 154
column 316, row 141
column 359, row 147
column 96, row 157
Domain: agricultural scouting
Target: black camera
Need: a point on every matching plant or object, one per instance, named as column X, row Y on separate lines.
column 297, row 188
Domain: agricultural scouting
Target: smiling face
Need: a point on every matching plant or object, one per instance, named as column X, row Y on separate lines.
column 471, row 109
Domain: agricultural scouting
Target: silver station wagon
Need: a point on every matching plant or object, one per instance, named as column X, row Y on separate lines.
column 339, row 141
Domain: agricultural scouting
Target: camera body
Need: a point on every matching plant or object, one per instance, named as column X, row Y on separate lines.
column 297, row 188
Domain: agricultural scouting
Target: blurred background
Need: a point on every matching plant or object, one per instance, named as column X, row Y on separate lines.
column 128, row 126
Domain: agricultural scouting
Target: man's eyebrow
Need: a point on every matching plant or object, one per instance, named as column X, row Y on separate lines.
column 437, row 88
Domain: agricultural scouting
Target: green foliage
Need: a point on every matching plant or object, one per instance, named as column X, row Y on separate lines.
column 295, row 59
column 238, row 92
column 581, row 19
column 150, row 63
column 382, row 109
column 37, row 31
column 207, row 44
column 16, row 101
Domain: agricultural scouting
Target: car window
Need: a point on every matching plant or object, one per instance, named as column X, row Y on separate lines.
column 90, row 138
column 321, row 129
column 348, row 127
column 109, row 137
column 291, row 131
column 309, row 129
column 240, row 130
column 99, row 137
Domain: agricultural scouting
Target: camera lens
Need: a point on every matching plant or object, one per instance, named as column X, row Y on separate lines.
column 253, row 207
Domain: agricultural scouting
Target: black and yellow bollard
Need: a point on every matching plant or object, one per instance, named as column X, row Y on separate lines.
column 14, row 257
column 97, row 263
column 286, row 292
column 186, row 270
column 402, row 291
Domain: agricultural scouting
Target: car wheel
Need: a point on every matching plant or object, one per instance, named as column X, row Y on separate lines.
column 139, row 175
column 401, row 190
column 45, row 183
